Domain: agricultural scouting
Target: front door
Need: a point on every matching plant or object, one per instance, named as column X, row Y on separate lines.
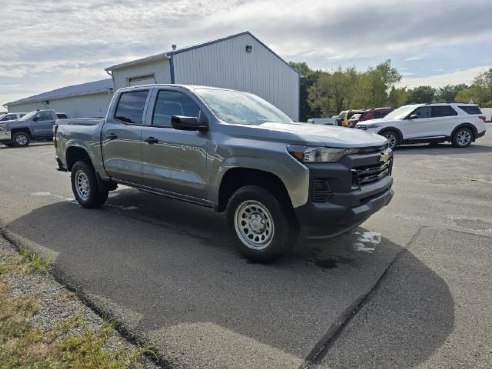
column 420, row 127
column 42, row 124
column 175, row 161
column 121, row 138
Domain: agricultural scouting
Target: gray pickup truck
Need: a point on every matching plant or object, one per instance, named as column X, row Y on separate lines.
column 36, row 125
column 277, row 181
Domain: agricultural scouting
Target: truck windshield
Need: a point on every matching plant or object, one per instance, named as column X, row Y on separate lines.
column 238, row 107
column 29, row 115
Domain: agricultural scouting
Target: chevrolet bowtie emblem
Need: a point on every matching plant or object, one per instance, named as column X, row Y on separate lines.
column 385, row 157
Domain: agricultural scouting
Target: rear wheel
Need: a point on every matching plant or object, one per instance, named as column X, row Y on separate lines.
column 259, row 224
column 463, row 137
column 21, row 139
column 392, row 137
column 85, row 188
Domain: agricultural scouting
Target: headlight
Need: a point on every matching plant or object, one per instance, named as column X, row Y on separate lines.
column 308, row 154
column 374, row 125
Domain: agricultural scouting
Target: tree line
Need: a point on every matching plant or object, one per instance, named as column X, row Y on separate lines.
column 324, row 94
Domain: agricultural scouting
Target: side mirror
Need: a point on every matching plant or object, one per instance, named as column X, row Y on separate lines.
column 35, row 119
column 185, row 123
column 413, row 116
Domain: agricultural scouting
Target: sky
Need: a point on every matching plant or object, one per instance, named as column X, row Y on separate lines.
column 51, row 44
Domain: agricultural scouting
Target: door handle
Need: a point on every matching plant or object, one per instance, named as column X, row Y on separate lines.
column 151, row 140
column 111, row 136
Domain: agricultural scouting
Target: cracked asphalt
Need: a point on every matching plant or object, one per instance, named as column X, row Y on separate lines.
column 411, row 287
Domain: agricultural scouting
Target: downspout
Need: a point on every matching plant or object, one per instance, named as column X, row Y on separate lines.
column 171, row 67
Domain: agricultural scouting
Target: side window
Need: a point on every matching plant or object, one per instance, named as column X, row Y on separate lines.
column 171, row 103
column 44, row 115
column 443, row 111
column 423, row 112
column 131, row 107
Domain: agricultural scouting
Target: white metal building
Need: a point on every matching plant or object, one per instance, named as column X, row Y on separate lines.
column 84, row 100
column 240, row 62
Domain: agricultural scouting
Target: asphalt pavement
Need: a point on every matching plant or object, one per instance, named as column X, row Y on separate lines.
column 411, row 287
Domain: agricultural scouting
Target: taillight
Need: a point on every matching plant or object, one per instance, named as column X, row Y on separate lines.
column 55, row 128
column 482, row 117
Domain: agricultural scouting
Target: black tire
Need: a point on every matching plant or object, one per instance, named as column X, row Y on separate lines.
column 392, row 137
column 21, row 139
column 85, row 188
column 462, row 137
column 261, row 227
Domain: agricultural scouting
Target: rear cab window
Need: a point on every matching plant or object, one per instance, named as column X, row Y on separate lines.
column 131, row 106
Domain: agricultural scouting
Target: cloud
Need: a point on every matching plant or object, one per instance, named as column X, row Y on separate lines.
column 440, row 80
column 70, row 38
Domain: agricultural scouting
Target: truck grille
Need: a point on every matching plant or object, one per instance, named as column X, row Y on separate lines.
column 370, row 173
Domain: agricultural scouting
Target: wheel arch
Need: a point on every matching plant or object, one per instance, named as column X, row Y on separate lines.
column 466, row 125
column 236, row 178
column 75, row 154
column 392, row 129
column 23, row 129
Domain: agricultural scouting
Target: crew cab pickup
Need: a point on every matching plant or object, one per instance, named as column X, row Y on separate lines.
column 36, row 125
column 277, row 181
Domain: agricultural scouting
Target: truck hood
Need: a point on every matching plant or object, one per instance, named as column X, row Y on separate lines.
column 311, row 135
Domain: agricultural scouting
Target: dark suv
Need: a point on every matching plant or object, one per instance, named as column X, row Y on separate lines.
column 375, row 113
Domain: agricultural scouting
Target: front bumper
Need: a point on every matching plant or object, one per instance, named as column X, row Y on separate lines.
column 345, row 194
column 325, row 220
column 5, row 136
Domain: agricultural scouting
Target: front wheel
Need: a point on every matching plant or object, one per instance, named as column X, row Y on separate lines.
column 463, row 137
column 21, row 139
column 392, row 138
column 85, row 188
column 260, row 225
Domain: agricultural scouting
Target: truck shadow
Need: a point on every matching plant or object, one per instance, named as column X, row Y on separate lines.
column 171, row 265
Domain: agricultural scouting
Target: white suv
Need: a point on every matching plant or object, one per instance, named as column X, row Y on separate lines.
column 459, row 123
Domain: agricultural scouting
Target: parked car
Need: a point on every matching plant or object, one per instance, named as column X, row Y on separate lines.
column 375, row 113
column 36, row 125
column 461, row 124
column 11, row 116
column 344, row 116
column 232, row 151
column 353, row 120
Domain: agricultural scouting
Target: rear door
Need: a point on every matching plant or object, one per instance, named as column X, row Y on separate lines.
column 445, row 119
column 175, row 161
column 42, row 124
column 121, row 137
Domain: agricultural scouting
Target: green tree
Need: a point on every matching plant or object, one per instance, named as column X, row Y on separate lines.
column 421, row 95
column 448, row 93
column 375, row 84
column 309, row 77
column 334, row 91
column 397, row 97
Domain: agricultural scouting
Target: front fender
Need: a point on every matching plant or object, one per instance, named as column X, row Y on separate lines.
column 291, row 173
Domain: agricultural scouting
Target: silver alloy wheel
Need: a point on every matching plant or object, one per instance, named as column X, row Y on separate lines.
column 82, row 185
column 21, row 139
column 254, row 225
column 463, row 137
column 391, row 137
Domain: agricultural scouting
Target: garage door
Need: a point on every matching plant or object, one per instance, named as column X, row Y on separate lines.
column 145, row 80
